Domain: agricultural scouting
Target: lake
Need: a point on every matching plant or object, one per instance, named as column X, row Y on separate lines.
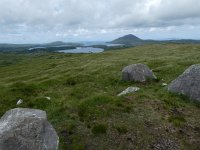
column 91, row 43
column 83, row 50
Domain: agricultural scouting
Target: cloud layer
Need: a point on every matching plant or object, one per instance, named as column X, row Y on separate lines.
column 48, row 20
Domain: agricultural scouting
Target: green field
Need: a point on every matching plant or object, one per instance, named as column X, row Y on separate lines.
column 84, row 107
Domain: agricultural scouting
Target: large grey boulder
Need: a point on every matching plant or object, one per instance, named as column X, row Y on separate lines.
column 137, row 72
column 27, row 129
column 188, row 83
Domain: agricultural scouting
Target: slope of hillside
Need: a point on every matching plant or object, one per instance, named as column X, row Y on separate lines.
column 128, row 40
column 84, row 107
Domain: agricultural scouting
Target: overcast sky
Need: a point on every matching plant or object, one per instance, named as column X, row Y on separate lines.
column 38, row 21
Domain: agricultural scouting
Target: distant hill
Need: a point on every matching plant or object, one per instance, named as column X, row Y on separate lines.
column 54, row 46
column 132, row 40
column 128, row 40
column 59, row 43
column 183, row 41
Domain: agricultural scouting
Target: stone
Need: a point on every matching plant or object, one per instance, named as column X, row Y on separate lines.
column 137, row 72
column 188, row 83
column 27, row 129
column 48, row 98
column 164, row 84
column 19, row 102
column 129, row 90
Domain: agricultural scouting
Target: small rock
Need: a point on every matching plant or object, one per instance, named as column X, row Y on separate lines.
column 48, row 98
column 164, row 84
column 129, row 90
column 19, row 102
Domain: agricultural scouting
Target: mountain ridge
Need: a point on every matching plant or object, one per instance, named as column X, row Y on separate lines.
column 127, row 39
column 132, row 40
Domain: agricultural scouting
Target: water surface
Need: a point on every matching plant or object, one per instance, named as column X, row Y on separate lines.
column 83, row 50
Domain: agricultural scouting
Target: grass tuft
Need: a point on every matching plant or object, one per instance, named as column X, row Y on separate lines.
column 99, row 129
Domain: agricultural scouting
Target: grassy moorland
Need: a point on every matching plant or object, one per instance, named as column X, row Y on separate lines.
column 84, row 108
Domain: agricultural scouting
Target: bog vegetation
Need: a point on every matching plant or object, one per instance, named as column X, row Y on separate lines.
column 84, row 107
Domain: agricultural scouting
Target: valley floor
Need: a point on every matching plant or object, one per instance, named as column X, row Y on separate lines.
column 83, row 105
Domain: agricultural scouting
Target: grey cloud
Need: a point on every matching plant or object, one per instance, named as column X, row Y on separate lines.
column 87, row 17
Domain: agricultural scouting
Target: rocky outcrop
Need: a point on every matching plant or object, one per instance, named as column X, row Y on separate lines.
column 27, row 129
column 137, row 72
column 188, row 83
